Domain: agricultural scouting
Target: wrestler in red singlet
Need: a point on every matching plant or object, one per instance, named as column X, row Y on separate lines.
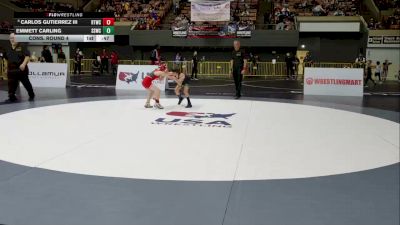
column 148, row 80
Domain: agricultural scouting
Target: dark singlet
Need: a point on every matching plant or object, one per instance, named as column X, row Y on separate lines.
column 185, row 81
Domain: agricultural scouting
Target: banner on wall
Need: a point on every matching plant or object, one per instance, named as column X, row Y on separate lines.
column 210, row 11
column 129, row 77
column 384, row 41
column 48, row 74
column 231, row 30
column 333, row 81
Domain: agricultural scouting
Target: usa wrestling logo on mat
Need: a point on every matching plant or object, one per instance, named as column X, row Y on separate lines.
column 198, row 119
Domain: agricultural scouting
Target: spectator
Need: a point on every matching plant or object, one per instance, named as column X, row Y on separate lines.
column 96, row 67
column 61, row 56
column 280, row 26
column 114, row 62
column 308, row 60
column 339, row 12
column 385, row 69
column 94, row 55
column 267, row 18
column 78, row 61
column 254, row 63
column 178, row 60
column 155, row 55
column 5, row 27
column 195, row 62
column 33, row 57
column 176, row 7
column 296, row 62
column 289, row 59
column 369, row 74
column 371, row 24
column 318, row 10
column 104, row 61
column 361, row 62
column 289, row 25
column 361, row 59
column 378, row 70
column 46, row 54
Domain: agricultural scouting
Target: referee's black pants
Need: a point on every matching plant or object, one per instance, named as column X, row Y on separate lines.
column 14, row 77
column 238, row 77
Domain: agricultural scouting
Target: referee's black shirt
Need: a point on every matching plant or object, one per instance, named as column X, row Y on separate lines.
column 15, row 57
column 238, row 59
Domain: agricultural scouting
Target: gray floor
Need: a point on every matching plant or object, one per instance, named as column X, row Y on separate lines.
column 37, row 196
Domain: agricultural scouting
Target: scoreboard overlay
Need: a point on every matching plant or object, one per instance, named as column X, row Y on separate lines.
column 64, row 27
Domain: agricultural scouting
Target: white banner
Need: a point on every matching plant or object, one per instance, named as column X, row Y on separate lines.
column 129, row 77
column 210, row 11
column 48, row 74
column 333, row 81
column 384, row 41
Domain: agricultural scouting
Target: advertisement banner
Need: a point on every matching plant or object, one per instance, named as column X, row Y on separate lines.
column 48, row 74
column 384, row 41
column 243, row 30
column 333, row 81
column 231, row 30
column 210, row 11
column 129, row 77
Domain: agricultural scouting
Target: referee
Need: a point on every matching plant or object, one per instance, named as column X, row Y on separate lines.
column 238, row 67
column 17, row 61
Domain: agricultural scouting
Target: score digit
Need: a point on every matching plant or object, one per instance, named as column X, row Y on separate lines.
column 108, row 21
column 108, row 30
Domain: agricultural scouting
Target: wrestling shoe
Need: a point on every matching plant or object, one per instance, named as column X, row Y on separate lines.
column 180, row 100
column 189, row 106
column 148, row 105
column 158, row 106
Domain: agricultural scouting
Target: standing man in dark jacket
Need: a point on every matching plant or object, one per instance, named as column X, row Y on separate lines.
column 238, row 67
column 155, row 57
column 46, row 54
column 195, row 62
column 289, row 59
column 78, row 61
column 114, row 62
column 104, row 60
column 17, row 59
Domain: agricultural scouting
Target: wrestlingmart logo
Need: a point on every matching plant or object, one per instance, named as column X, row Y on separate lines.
column 195, row 119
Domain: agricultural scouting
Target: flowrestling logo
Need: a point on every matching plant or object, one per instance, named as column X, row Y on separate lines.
column 327, row 81
column 198, row 119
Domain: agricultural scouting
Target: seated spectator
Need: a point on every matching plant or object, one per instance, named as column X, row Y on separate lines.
column 339, row 12
column 289, row 24
column 318, row 10
column 5, row 27
column 96, row 67
column 280, row 26
column 371, row 24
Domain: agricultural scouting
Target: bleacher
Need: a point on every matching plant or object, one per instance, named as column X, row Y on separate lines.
column 44, row 6
column 305, row 7
column 142, row 15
